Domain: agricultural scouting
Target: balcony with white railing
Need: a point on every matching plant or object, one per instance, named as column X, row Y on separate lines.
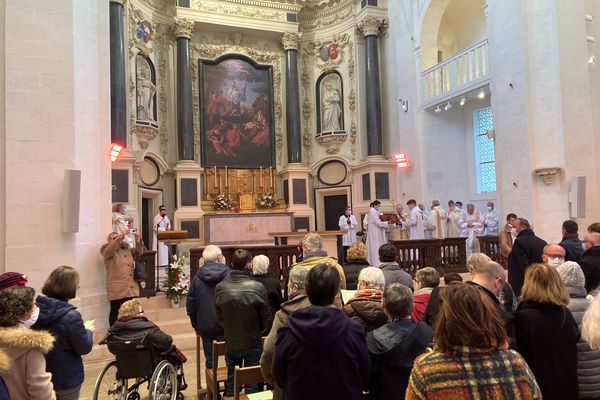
column 459, row 74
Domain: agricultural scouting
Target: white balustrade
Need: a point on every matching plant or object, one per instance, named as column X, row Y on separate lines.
column 461, row 71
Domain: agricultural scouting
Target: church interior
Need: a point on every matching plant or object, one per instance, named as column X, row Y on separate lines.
column 245, row 118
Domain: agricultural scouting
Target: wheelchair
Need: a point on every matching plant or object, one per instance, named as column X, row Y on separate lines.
column 138, row 363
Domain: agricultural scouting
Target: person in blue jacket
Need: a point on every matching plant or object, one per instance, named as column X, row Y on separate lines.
column 73, row 337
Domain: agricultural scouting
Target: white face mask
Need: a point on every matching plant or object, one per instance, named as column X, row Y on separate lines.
column 489, row 208
column 555, row 262
column 583, row 246
column 32, row 319
column 513, row 231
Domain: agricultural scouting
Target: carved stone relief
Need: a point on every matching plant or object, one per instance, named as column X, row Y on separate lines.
column 166, row 37
column 246, row 10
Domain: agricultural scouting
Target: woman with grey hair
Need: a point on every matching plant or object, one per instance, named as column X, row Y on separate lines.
column 588, row 360
column 365, row 307
column 260, row 273
column 395, row 345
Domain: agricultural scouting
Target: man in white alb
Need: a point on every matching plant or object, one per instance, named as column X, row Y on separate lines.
column 161, row 223
column 437, row 220
column 349, row 223
column 454, row 213
column 471, row 224
column 376, row 236
column 490, row 220
column 416, row 228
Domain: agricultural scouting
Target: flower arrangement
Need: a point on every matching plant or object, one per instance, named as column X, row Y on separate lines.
column 222, row 202
column 266, row 200
column 177, row 283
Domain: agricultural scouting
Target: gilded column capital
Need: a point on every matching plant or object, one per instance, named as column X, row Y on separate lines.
column 290, row 40
column 372, row 26
column 183, row 28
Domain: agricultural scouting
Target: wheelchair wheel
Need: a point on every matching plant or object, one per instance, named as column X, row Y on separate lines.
column 163, row 385
column 108, row 386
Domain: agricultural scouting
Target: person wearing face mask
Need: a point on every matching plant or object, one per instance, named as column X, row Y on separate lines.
column 376, row 237
column 454, row 213
column 74, row 337
column 27, row 379
column 161, row 224
column 490, row 220
column 415, row 222
column 348, row 222
column 527, row 249
column 120, row 219
column 553, row 255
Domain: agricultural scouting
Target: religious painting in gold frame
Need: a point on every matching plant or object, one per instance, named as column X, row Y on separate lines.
column 236, row 113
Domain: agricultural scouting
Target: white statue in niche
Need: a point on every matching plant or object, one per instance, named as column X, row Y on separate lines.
column 331, row 109
column 145, row 96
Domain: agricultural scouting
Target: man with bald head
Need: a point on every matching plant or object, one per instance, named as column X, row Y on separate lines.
column 527, row 249
column 590, row 261
column 436, row 222
column 553, row 255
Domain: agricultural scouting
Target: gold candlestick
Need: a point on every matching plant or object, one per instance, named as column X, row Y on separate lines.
column 226, row 180
column 260, row 178
column 215, row 176
column 273, row 181
column 271, row 177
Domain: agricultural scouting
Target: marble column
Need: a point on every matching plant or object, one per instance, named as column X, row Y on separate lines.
column 118, row 82
column 185, row 116
column 292, row 97
column 370, row 28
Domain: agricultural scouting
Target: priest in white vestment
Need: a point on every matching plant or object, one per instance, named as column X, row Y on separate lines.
column 471, row 224
column 348, row 222
column 436, row 223
column 376, row 234
column 454, row 213
column 161, row 223
column 490, row 220
column 415, row 223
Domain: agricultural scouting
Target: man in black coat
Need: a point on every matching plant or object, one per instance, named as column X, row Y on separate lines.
column 243, row 312
column 590, row 261
column 201, row 299
column 571, row 242
column 527, row 249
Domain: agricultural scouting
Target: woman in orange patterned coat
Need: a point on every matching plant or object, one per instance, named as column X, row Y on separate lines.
column 471, row 358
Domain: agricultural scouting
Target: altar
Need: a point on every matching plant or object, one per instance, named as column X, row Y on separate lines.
column 245, row 228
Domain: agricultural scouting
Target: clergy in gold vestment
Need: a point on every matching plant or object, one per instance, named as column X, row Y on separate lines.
column 436, row 222
column 453, row 229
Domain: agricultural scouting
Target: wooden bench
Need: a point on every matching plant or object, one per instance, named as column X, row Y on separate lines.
column 245, row 376
column 216, row 374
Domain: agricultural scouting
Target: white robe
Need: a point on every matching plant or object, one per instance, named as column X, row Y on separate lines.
column 415, row 224
column 453, row 227
column 376, row 236
column 472, row 232
column 437, row 223
column 491, row 222
column 161, row 224
column 349, row 237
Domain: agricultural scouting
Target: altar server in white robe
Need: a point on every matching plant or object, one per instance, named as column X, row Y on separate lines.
column 425, row 212
column 377, row 234
column 454, row 213
column 436, row 221
column 348, row 222
column 490, row 220
column 161, row 223
column 471, row 224
column 415, row 223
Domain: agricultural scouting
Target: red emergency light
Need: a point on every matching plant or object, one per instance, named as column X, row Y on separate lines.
column 115, row 150
column 401, row 160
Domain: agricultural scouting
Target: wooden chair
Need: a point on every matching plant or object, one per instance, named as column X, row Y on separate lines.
column 245, row 376
column 217, row 374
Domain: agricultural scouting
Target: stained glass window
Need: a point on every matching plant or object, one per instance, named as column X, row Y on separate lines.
column 485, row 159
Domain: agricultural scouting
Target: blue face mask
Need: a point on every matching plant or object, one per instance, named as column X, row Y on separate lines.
column 125, row 211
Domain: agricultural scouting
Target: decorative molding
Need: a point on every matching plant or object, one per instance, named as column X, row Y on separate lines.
column 341, row 41
column 290, row 40
column 307, row 105
column 157, row 4
column 246, row 9
column 195, row 106
column 165, row 39
column 145, row 134
column 136, row 44
column 236, row 44
column 184, row 28
column 352, row 99
column 324, row 16
column 332, row 141
column 547, row 174
column 372, row 26
column 121, row 2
